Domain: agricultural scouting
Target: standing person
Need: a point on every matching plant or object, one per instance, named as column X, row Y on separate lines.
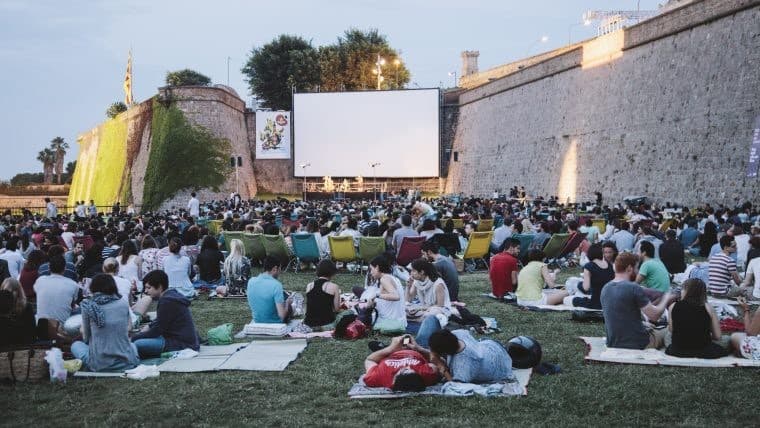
column 173, row 329
column 503, row 270
column 106, row 319
column 92, row 209
column 178, row 269
column 194, row 206
column 51, row 211
column 266, row 297
column 623, row 302
column 694, row 324
column 445, row 267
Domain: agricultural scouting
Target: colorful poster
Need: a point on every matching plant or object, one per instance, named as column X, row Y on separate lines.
column 272, row 134
column 754, row 151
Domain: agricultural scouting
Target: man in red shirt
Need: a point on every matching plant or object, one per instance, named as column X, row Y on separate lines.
column 402, row 366
column 503, row 269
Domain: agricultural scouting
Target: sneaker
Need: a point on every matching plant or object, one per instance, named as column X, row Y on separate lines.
column 376, row 345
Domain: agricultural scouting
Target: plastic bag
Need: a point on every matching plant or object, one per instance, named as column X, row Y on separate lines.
column 220, row 335
column 54, row 358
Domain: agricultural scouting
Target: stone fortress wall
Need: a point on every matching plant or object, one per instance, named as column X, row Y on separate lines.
column 664, row 109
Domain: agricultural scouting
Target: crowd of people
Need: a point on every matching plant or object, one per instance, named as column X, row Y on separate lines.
column 88, row 279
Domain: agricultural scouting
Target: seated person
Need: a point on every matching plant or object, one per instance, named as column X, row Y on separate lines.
column 401, row 367
column 425, row 285
column 322, row 298
column 464, row 359
column 653, row 275
column 17, row 325
column 747, row 344
column 209, row 262
column 106, row 320
column 532, row 279
column 237, row 271
column 623, row 302
column 266, row 297
column 445, row 267
column 389, row 302
column 173, row 329
column 671, row 253
column 724, row 280
column 596, row 274
column 503, row 269
column 693, row 324
column 56, row 294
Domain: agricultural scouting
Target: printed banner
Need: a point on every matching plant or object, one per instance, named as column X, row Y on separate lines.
column 272, row 134
column 754, row 151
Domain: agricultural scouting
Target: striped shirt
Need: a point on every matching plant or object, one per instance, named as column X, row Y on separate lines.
column 722, row 268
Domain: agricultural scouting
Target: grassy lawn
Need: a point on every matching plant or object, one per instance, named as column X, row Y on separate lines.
column 312, row 391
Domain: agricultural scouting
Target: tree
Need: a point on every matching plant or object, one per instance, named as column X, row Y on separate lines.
column 275, row 68
column 58, row 147
column 116, row 108
column 47, row 157
column 351, row 63
column 70, row 168
column 186, row 77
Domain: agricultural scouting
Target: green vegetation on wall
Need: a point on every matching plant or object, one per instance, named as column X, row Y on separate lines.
column 108, row 166
column 181, row 156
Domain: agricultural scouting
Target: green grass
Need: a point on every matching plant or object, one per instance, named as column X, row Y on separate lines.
column 312, row 391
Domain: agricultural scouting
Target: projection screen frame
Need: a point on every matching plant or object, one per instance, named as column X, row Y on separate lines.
column 294, row 119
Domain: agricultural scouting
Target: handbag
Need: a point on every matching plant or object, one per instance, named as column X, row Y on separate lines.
column 23, row 363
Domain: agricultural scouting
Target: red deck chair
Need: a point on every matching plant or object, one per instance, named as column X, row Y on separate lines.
column 411, row 249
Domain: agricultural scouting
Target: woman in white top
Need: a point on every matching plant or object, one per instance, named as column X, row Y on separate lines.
column 130, row 264
column 178, row 269
column 428, row 287
column 752, row 277
column 123, row 286
column 349, row 228
column 389, row 301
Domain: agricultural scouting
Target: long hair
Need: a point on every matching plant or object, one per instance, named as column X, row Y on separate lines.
column 128, row 248
column 695, row 292
column 19, row 297
column 233, row 265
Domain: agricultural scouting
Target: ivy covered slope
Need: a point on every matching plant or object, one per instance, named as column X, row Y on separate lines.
column 99, row 179
column 182, row 156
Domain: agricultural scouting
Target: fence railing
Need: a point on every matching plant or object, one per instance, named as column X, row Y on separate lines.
column 66, row 210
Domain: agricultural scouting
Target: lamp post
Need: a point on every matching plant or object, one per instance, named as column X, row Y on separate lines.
column 397, row 64
column 379, row 70
column 303, row 166
column 585, row 23
column 228, row 71
column 543, row 39
column 454, row 73
column 374, row 176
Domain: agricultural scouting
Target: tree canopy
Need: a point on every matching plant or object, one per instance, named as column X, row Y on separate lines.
column 350, row 64
column 275, row 68
column 186, row 77
column 116, row 108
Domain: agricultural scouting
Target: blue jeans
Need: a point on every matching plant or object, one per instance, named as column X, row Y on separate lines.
column 150, row 348
column 429, row 326
column 211, row 285
column 81, row 351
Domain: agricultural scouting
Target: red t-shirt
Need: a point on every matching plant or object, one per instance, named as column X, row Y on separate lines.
column 382, row 374
column 502, row 266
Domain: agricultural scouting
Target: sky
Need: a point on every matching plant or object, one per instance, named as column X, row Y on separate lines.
column 62, row 63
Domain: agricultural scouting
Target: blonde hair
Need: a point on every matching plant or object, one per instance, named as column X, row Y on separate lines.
column 111, row 265
column 19, row 297
column 234, row 262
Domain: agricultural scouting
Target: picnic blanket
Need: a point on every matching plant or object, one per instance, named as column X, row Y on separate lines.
column 597, row 350
column 255, row 356
column 716, row 300
column 452, row 389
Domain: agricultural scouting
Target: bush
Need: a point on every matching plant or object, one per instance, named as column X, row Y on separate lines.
column 115, row 109
column 186, row 77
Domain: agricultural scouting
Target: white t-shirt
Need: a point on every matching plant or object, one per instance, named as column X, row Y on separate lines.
column 124, row 286
column 754, row 269
column 194, row 206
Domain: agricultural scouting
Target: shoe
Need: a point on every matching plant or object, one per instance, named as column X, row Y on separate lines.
column 376, row 345
column 547, row 369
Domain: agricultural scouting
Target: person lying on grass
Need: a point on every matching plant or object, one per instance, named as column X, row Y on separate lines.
column 173, row 329
column 623, row 302
column 402, row 366
column 747, row 344
column 462, row 358
column 532, row 279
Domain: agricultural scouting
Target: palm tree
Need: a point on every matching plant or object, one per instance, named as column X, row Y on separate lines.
column 59, row 148
column 47, row 157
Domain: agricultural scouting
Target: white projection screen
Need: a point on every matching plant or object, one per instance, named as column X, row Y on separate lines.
column 341, row 133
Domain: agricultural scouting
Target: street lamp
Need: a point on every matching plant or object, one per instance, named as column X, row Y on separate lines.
column 585, row 23
column 303, row 166
column 454, row 73
column 397, row 64
column 379, row 70
column 543, row 39
column 374, row 176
